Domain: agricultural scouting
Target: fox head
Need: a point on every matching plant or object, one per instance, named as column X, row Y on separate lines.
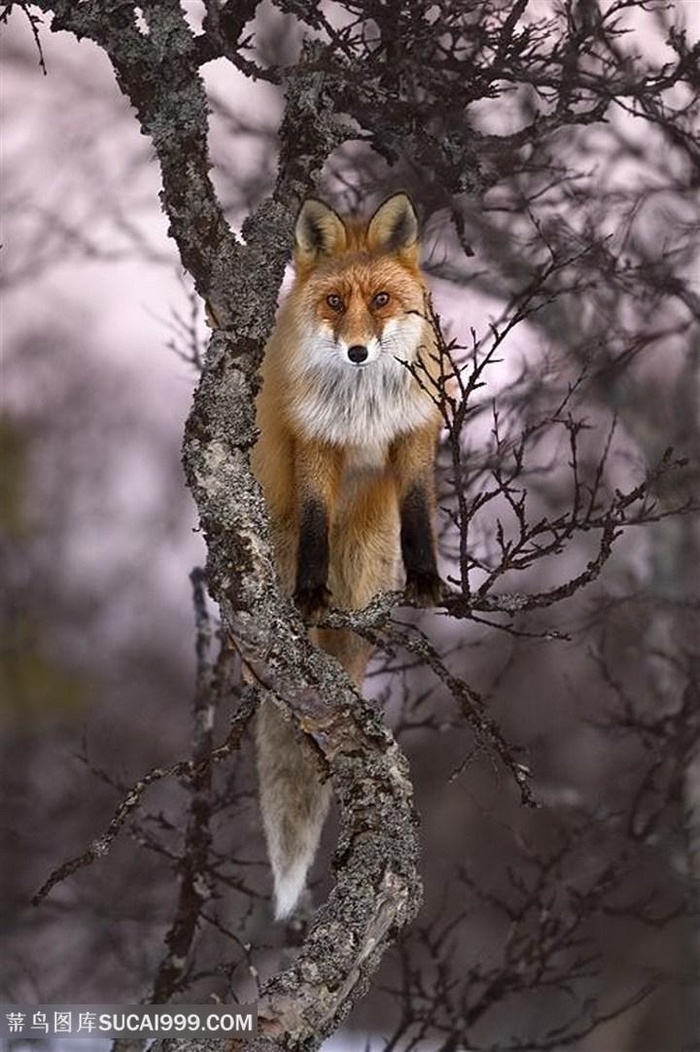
column 358, row 289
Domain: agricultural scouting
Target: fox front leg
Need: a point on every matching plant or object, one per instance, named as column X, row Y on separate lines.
column 311, row 593
column 317, row 470
column 423, row 583
column 414, row 466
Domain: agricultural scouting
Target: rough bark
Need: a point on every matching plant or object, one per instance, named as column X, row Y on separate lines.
column 378, row 888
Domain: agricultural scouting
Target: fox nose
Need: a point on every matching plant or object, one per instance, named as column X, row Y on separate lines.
column 357, row 353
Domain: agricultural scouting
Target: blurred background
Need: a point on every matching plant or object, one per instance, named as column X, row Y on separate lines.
column 536, row 923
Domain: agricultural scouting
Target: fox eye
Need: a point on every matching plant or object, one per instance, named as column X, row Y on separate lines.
column 380, row 300
column 334, row 301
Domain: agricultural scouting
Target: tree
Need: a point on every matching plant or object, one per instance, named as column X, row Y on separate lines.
column 489, row 113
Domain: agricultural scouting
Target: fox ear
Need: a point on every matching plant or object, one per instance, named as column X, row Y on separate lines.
column 319, row 231
column 394, row 226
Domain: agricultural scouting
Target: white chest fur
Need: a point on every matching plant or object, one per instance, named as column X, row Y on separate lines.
column 364, row 407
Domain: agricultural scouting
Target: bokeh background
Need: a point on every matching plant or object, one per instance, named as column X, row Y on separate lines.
column 100, row 337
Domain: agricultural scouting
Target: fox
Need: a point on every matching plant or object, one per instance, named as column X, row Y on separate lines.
column 348, row 423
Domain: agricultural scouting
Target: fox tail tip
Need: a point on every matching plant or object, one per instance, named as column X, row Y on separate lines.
column 289, row 888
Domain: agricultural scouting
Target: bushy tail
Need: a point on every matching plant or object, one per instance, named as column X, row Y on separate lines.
column 294, row 803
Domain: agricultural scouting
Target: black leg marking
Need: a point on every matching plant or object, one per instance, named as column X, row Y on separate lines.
column 311, row 593
column 423, row 584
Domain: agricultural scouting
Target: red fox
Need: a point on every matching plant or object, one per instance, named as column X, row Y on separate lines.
column 345, row 458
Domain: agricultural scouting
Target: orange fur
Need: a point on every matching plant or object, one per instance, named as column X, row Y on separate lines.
column 345, row 459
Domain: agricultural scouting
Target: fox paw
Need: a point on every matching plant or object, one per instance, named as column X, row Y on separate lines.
column 424, row 589
column 312, row 602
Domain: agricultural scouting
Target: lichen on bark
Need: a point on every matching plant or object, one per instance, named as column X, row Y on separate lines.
column 377, row 889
